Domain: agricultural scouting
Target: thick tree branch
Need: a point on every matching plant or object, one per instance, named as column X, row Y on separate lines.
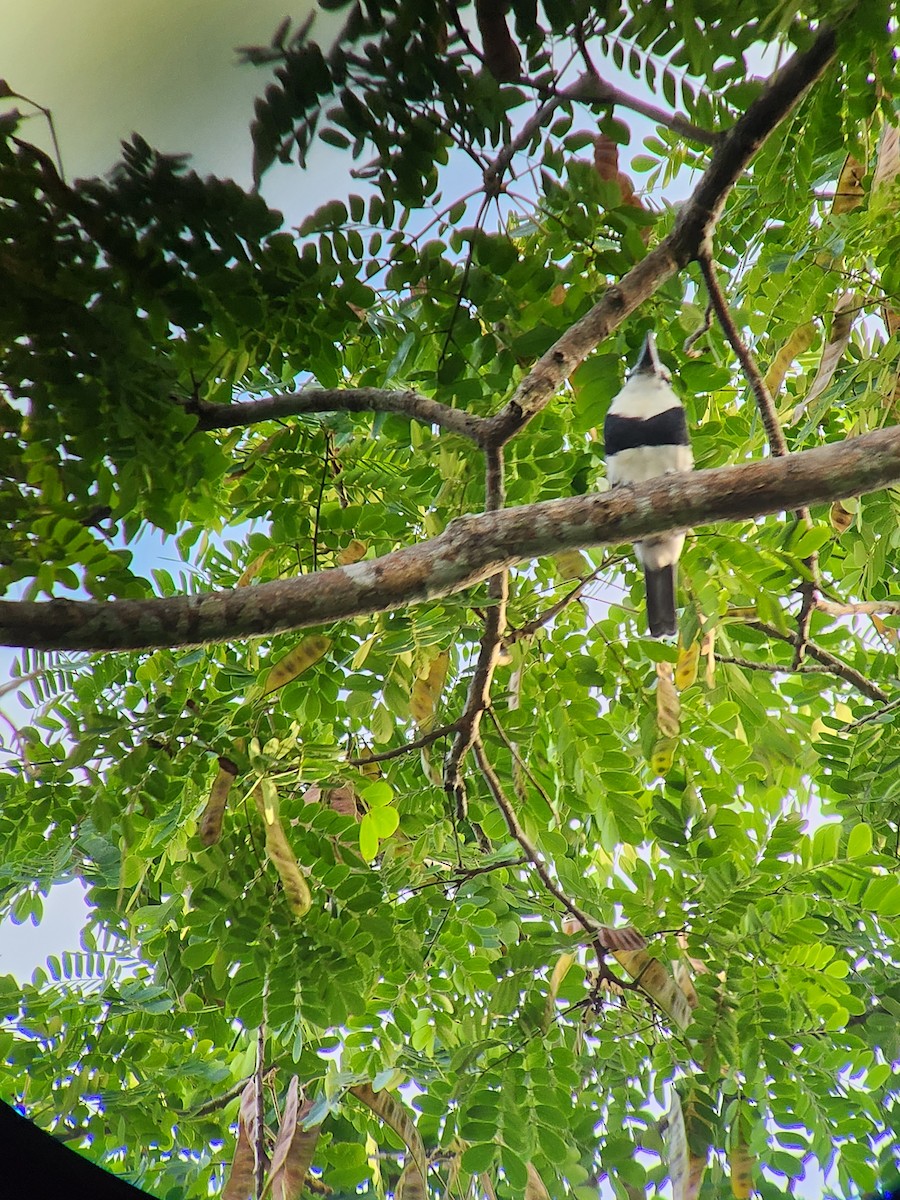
column 696, row 220
column 406, row 403
column 470, row 550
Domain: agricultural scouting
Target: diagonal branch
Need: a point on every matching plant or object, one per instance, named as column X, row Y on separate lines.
column 835, row 665
column 406, row 403
column 777, row 443
column 590, row 88
column 479, row 695
column 470, row 550
column 761, row 393
column 418, row 743
column 550, row 613
column 601, row 932
column 493, row 175
column 771, row 668
column 696, row 219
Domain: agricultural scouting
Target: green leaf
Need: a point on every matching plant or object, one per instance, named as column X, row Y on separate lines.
column 882, row 896
column 860, row 841
column 384, row 821
column 478, row 1158
column 368, row 838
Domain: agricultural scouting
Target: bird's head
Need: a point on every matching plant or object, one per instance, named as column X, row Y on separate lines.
column 648, row 362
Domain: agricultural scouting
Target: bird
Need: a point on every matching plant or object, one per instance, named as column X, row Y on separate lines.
column 646, row 435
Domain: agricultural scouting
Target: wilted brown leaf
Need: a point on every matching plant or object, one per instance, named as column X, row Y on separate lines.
column 295, row 662
column 656, row 981
column 397, row 1117
column 209, row 827
column 668, row 706
column 278, row 848
column 426, row 689
column 241, row 1181
column 294, row 1148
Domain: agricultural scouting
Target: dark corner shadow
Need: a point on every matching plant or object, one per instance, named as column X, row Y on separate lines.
column 37, row 1165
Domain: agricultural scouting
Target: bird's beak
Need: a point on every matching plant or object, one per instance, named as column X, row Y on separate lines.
column 648, row 359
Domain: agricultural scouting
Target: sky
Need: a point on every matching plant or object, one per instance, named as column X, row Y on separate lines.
column 164, row 68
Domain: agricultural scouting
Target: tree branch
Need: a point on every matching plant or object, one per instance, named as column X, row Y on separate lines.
column 772, row 668
column 530, row 628
column 495, row 171
column 696, row 219
column 406, row 403
column 871, row 608
column 761, row 393
column 835, row 665
column 774, row 433
column 479, row 695
column 533, row 854
column 462, row 875
column 470, row 550
column 418, row 743
column 589, row 88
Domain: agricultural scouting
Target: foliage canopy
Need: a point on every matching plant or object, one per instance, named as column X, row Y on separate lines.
column 499, row 851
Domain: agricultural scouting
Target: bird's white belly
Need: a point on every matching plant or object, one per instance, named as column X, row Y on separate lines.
column 648, row 462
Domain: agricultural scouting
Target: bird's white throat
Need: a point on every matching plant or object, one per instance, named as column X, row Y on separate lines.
column 644, row 396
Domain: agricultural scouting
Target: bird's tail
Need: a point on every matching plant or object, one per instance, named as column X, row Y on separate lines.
column 659, row 584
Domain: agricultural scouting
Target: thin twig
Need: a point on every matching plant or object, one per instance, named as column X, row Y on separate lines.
column 548, row 614
column 315, row 537
column 495, row 171
column 761, row 393
column 463, row 283
column 589, row 88
column 336, row 469
column 48, row 117
column 808, row 595
column 872, row 608
column 479, row 694
column 513, row 749
column 872, row 716
column 463, row 875
column 531, row 851
column 836, row 665
column 417, row 744
column 692, row 339
column 774, row 433
column 772, row 668
column 217, row 1103
column 259, row 1146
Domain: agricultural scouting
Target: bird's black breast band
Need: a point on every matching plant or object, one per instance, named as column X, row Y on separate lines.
column 667, row 428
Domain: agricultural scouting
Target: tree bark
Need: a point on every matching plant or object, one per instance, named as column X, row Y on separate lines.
column 470, row 550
